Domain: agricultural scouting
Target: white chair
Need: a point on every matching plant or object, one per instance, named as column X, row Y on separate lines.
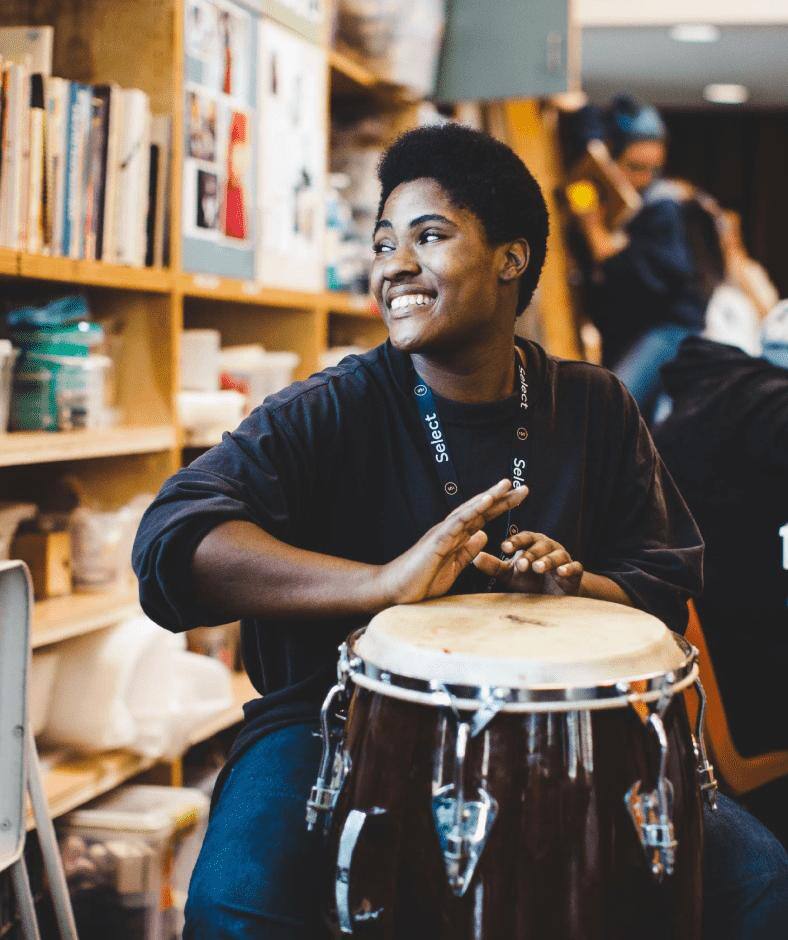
column 19, row 768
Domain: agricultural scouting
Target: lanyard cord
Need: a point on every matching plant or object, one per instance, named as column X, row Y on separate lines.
column 439, row 448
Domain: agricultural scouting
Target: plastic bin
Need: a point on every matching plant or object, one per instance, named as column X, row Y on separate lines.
column 7, row 359
column 256, row 372
column 128, row 859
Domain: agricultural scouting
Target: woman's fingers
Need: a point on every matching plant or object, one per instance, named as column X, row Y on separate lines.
column 471, row 516
column 572, row 570
column 470, row 550
column 490, row 565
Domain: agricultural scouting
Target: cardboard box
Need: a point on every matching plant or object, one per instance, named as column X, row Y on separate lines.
column 48, row 556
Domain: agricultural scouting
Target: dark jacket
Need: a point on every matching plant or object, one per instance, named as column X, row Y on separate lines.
column 726, row 445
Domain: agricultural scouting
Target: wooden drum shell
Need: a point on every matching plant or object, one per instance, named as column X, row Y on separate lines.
column 562, row 861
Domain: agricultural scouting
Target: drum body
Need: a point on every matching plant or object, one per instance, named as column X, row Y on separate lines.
column 545, row 797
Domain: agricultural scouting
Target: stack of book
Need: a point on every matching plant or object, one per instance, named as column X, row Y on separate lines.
column 83, row 168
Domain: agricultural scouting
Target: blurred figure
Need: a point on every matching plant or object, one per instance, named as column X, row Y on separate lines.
column 726, row 445
column 641, row 290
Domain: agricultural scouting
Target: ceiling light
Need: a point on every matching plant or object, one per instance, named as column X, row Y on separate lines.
column 726, row 94
column 695, row 32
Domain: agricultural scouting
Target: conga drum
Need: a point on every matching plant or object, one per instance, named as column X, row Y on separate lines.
column 510, row 767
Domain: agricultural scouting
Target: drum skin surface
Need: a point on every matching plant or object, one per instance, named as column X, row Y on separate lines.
column 562, row 860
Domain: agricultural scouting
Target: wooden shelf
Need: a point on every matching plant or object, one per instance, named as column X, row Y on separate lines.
column 73, row 782
column 83, row 612
column 9, row 262
column 352, row 305
column 29, row 447
column 244, row 292
column 351, row 77
column 350, row 70
column 93, row 273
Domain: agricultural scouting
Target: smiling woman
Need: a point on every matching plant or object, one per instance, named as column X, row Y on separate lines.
column 378, row 482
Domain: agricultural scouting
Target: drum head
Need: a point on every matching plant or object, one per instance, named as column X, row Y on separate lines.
column 519, row 641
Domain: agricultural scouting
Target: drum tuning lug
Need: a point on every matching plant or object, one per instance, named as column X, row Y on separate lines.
column 491, row 704
column 706, row 779
column 624, row 688
column 651, row 811
column 462, row 827
column 443, row 698
column 334, row 760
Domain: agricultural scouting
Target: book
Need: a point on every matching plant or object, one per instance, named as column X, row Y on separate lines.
column 105, row 241
column 95, row 175
column 57, row 97
column 131, row 203
column 15, row 154
column 161, row 137
column 36, row 189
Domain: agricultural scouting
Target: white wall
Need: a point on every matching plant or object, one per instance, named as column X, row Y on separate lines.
column 654, row 12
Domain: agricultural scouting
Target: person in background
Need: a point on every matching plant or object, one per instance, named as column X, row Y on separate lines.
column 640, row 285
column 726, row 445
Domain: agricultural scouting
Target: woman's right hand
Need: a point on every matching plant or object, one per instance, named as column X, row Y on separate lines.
column 431, row 567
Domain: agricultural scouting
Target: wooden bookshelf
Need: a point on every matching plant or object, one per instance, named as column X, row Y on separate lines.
column 9, row 263
column 72, row 782
column 230, row 290
column 348, row 72
column 94, row 274
column 62, row 618
column 19, row 448
column 353, row 305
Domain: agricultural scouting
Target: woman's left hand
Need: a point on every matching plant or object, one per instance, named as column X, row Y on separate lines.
column 539, row 565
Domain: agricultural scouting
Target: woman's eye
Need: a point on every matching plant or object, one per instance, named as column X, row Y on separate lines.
column 380, row 247
column 431, row 236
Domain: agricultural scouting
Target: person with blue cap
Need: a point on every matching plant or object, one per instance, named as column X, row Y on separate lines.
column 640, row 286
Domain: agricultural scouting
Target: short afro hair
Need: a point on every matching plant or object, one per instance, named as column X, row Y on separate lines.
column 480, row 174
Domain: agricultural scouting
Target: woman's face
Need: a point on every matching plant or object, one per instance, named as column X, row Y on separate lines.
column 642, row 162
column 434, row 274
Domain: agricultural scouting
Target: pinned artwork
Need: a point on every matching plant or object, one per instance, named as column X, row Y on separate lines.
column 291, row 169
column 219, row 146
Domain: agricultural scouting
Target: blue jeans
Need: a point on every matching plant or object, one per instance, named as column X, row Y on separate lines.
column 258, row 871
column 639, row 367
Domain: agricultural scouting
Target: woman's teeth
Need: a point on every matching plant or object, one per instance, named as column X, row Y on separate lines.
column 410, row 300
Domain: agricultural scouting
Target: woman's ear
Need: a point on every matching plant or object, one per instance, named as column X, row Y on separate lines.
column 516, row 256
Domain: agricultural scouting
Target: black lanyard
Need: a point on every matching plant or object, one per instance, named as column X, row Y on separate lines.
column 438, row 447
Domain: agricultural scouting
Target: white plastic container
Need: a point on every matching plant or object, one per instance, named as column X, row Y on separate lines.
column 200, row 360
column 205, row 416
column 134, row 849
column 7, row 359
column 39, row 691
column 257, row 372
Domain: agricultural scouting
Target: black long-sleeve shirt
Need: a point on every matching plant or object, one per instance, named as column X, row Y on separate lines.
column 339, row 464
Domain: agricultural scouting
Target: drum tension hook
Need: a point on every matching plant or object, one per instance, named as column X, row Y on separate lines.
column 706, row 779
column 334, row 760
column 463, row 825
column 651, row 811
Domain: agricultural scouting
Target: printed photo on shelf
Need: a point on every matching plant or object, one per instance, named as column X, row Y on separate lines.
column 217, row 36
column 219, row 148
column 235, row 204
column 201, row 110
column 201, row 29
column 291, row 165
